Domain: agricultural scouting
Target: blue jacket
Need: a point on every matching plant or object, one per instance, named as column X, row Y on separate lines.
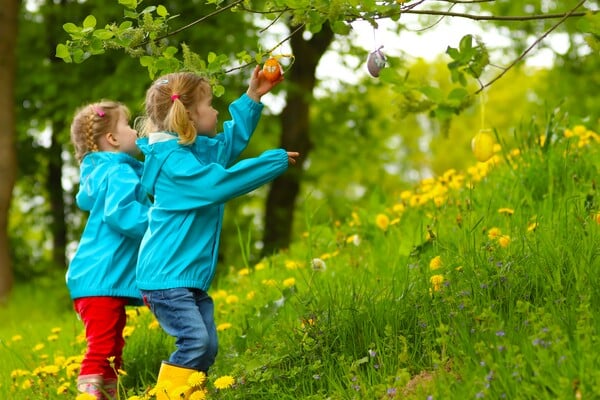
column 105, row 260
column 190, row 185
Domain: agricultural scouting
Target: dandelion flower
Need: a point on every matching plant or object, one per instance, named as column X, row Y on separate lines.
column 289, row 282
column 382, row 221
column 232, row 299
column 435, row 263
column 251, row 294
column 507, row 211
column 292, row 264
column 260, row 266
column 38, row 347
column 223, row 326
column 16, row 338
column 269, row 282
column 436, row 281
column 56, row 330
column 504, row 240
column 198, row 395
column 197, row 379
column 244, row 272
column 85, row 396
column 134, row 398
column 494, row 233
column 532, row 227
column 62, row 389
column 318, row 264
column 224, row 382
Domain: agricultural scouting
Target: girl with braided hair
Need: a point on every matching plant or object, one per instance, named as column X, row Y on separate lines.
column 192, row 171
column 101, row 274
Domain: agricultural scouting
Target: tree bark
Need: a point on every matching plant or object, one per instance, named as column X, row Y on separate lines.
column 295, row 136
column 8, row 159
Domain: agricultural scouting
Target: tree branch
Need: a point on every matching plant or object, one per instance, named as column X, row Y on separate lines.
column 538, row 40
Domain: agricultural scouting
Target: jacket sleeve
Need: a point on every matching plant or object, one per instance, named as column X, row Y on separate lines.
column 123, row 212
column 209, row 184
column 245, row 114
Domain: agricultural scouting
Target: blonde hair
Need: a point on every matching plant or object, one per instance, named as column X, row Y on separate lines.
column 91, row 122
column 168, row 101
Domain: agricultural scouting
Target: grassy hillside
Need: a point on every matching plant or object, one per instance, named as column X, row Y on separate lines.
column 476, row 284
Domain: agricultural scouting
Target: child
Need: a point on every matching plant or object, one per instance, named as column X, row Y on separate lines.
column 190, row 171
column 101, row 275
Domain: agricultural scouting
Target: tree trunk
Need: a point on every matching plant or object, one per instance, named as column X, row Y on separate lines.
column 8, row 159
column 295, row 122
column 57, row 201
column 54, row 153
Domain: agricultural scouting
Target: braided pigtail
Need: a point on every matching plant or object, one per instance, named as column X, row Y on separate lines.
column 93, row 121
column 168, row 101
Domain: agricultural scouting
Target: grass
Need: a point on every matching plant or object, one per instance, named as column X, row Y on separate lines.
column 476, row 284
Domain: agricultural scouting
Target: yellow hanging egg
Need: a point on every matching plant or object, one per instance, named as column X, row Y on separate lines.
column 483, row 146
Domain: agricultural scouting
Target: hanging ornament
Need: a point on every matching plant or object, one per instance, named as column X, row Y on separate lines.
column 375, row 62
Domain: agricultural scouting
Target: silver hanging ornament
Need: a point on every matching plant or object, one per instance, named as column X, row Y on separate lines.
column 375, row 62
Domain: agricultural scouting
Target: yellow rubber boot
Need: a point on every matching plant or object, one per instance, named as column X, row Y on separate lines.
column 172, row 382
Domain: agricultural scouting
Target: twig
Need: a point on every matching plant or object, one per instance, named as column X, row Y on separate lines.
column 538, row 40
column 176, row 31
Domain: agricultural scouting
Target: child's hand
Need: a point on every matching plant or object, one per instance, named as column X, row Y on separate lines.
column 260, row 85
column 292, row 155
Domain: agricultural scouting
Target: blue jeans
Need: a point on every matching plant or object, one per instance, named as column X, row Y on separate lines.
column 187, row 315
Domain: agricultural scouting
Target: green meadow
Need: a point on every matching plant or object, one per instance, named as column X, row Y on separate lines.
column 475, row 284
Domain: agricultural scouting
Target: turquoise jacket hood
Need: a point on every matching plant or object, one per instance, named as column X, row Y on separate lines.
column 190, row 185
column 105, row 259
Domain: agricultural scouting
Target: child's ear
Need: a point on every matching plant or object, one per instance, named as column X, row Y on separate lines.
column 111, row 139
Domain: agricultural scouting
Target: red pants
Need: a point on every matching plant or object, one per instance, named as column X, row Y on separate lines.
column 104, row 319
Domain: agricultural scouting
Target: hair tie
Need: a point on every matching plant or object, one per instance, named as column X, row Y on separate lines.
column 174, row 97
column 99, row 112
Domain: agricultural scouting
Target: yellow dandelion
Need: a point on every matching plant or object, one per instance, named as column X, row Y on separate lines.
column 197, row 379
column 128, row 331
column 269, row 282
column 223, row 326
column 56, row 330
column 532, row 227
column 38, row 347
column 506, row 211
column 291, row 264
column 398, row 208
column 16, row 338
column 154, row 324
column 435, row 263
column 251, row 294
column 134, row 398
column 62, row 389
column 382, row 221
column 232, row 299
column 121, row 372
column 219, row 294
column 18, row 373
column 260, row 266
column 224, row 382
column 85, row 396
column 289, row 282
column 494, row 233
column 72, row 370
column 436, row 282
column 597, row 218
column 244, row 272
column 198, row 395
column 504, row 240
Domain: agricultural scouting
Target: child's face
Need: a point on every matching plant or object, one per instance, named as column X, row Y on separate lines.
column 204, row 116
column 125, row 135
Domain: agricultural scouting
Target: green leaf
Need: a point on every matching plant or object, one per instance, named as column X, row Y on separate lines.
column 62, row 51
column 340, row 27
column 89, row 22
column 146, row 61
column 71, row 28
column 433, row 93
column 103, row 34
column 218, row 90
column 162, row 11
column 466, row 43
column 131, row 4
column 211, row 57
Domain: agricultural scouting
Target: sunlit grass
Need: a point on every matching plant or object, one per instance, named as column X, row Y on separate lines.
column 475, row 284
